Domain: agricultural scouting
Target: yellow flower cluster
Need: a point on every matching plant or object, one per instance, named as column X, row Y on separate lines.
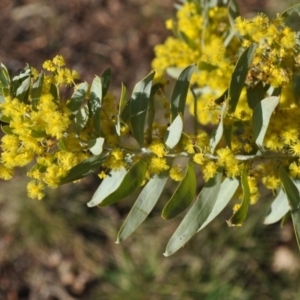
column 62, row 75
column 276, row 52
column 200, row 41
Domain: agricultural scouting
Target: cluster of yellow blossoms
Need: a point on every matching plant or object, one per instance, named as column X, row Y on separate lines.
column 207, row 41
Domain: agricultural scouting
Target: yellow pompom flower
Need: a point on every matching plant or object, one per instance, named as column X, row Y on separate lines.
column 177, row 173
column 35, row 189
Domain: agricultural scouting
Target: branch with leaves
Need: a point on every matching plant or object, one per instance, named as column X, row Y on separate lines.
column 247, row 87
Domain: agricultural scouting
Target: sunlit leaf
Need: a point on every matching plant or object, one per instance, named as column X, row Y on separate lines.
column 173, row 133
column 196, row 216
column 227, row 190
column 37, row 90
column 143, row 206
column 138, row 107
column 240, row 215
column 78, row 97
column 239, row 76
column 95, row 103
column 122, row 103
column 96, row 145
column 4, row 82
column 261, row 118
column 84, row 168
column 81, row 118
column 183, row 195
column 174, row 72
column 218, row 133
column 280, row 206
column 23, row 90
column 119, row 184
column 180, row 91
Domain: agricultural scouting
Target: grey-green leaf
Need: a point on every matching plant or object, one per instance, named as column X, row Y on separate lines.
column 280, row 206
column 122, row 103
column 23, row 90
column 108, row 186
column 138, row 107
column 81, row 118
column 261, row 118
column 240, row 215
column 217, row 135
column 174, row 132
column 96, row 145
column 293, row 196
column 227, row 190
column 84, row 168
column 95, row 103
column 119, row 184
column 256, row 94
column 183, row 195
column 142, row 207
column 78, row 97
column 197, row 214
column 180, row 91
column 37, row 90
column 239, row 76
column 105, row 79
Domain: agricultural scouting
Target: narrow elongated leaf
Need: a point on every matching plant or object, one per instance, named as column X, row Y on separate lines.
column 261, row 118
column 256, row 94
column 293, row 195
column 84, row 168
column 96, row 145
column 81, row 118
column 227, row 190
column 240, row 215
column 180, row 91
column 23, row 90
column 37, row 90
column 290, row 189
column 105, row 79
column 197, row 215
column 122, row 103
column 108, row 186
column 151, row 110
column 174, row 72
column 174, row 132
column 142, row 207
column 4, row 78
column 95, row 103
column 222, row 98
column 239, row 76
column 125, row 183
column 233, row 12
column 218, row 133
column 78, row 97
column 138, row 107
column 279, row 208
column 183, row 195
column 54, row 91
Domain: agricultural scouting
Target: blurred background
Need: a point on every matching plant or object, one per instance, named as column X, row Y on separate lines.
column 58, row 249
